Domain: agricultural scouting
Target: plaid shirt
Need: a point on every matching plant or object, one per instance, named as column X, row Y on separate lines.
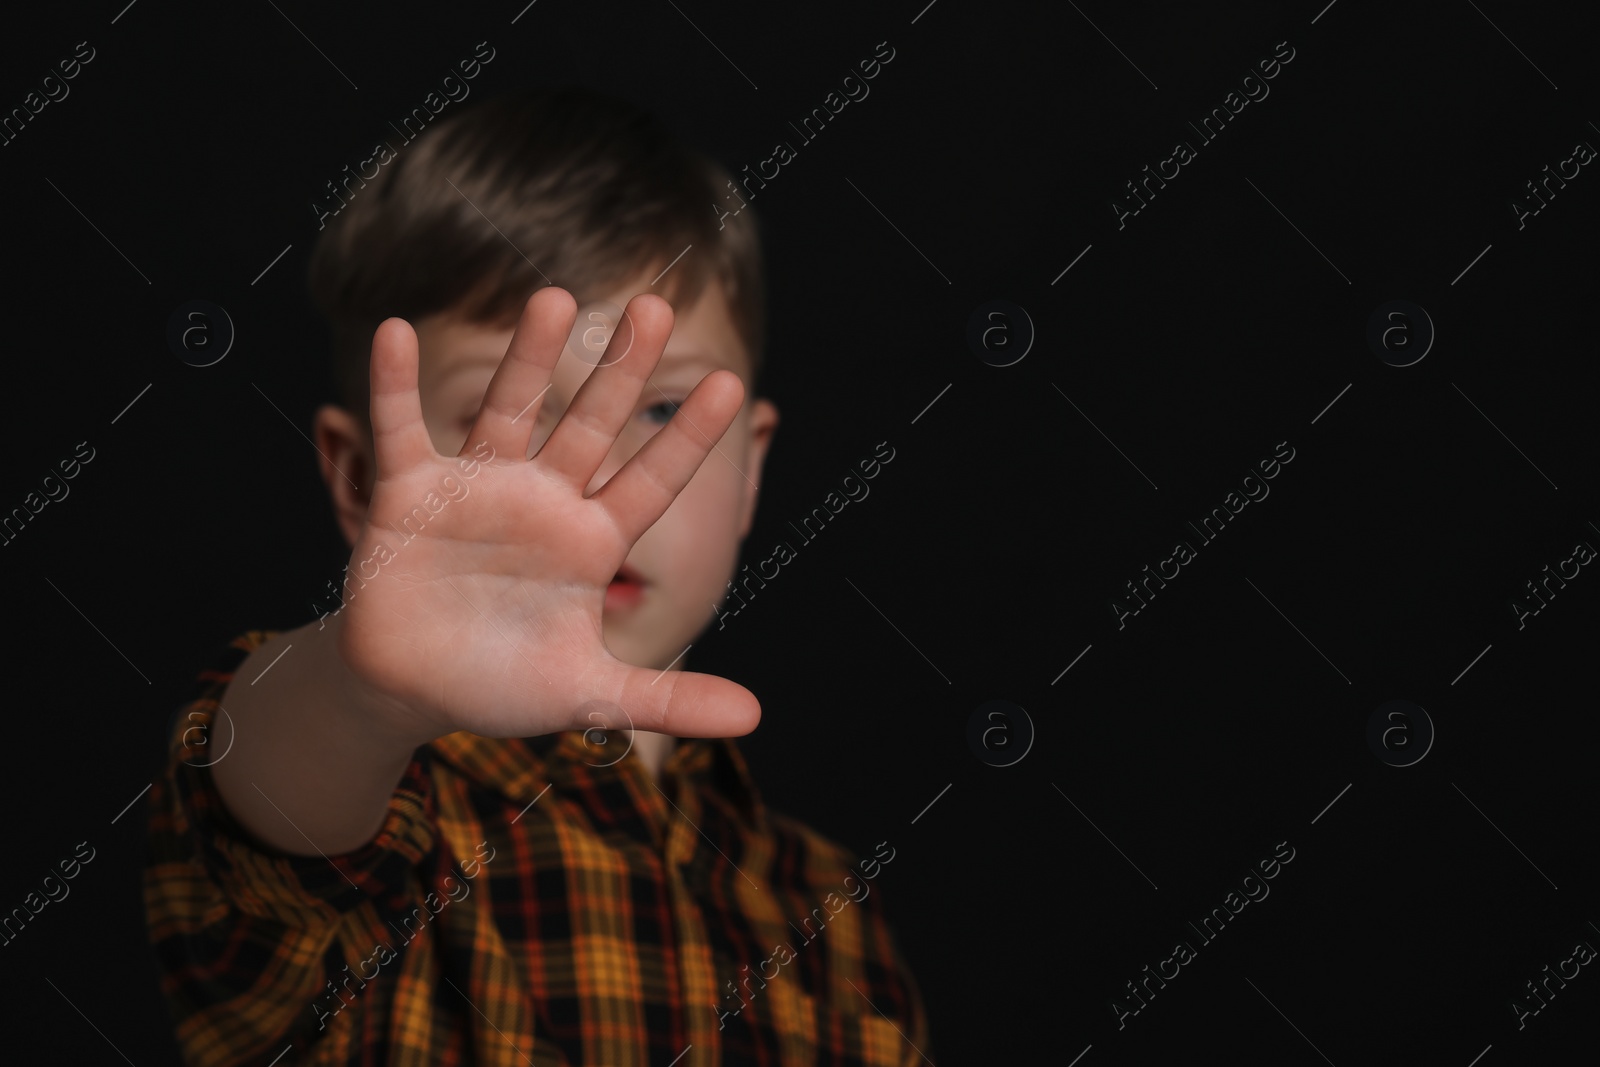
column 524, row 903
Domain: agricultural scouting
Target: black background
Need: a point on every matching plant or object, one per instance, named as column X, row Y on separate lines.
column 1177, row 751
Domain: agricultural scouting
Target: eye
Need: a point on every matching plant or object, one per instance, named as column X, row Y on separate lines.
column 661, row 413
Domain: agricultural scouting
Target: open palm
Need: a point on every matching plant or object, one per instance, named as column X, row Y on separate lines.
column 485, row 610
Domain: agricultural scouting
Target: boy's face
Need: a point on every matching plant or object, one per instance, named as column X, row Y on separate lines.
column 683, row 562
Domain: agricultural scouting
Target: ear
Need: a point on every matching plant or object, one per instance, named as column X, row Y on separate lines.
column 763, row 423
column 344, row 447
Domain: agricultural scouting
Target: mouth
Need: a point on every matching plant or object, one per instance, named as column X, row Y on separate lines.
column 625, row 589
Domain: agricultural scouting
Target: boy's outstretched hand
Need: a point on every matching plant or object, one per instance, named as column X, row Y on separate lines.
column 489, row 619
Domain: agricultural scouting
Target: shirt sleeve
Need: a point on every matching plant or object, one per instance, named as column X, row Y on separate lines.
column 246, row 937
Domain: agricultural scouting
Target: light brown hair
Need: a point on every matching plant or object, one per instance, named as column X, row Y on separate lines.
column 548, row 186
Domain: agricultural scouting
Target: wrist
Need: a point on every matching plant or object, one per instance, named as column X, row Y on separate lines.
column 381, row 722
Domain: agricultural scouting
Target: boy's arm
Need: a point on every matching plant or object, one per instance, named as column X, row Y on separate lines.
column 316, row 755
column 244, row 934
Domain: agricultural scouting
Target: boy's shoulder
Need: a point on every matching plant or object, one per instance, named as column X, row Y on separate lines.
column 819, row 859
column 819, row 844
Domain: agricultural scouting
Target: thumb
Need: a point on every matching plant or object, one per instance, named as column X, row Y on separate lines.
column 679, row 703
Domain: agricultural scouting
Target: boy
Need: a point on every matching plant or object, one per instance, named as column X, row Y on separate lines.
column 451, row 820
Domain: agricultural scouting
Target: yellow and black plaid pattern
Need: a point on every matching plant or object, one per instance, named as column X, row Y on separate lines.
column 524, row 903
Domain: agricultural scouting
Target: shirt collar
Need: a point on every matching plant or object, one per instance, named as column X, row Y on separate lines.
column 521, row 768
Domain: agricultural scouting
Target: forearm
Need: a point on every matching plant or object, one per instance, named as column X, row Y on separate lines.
column 314, row 761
